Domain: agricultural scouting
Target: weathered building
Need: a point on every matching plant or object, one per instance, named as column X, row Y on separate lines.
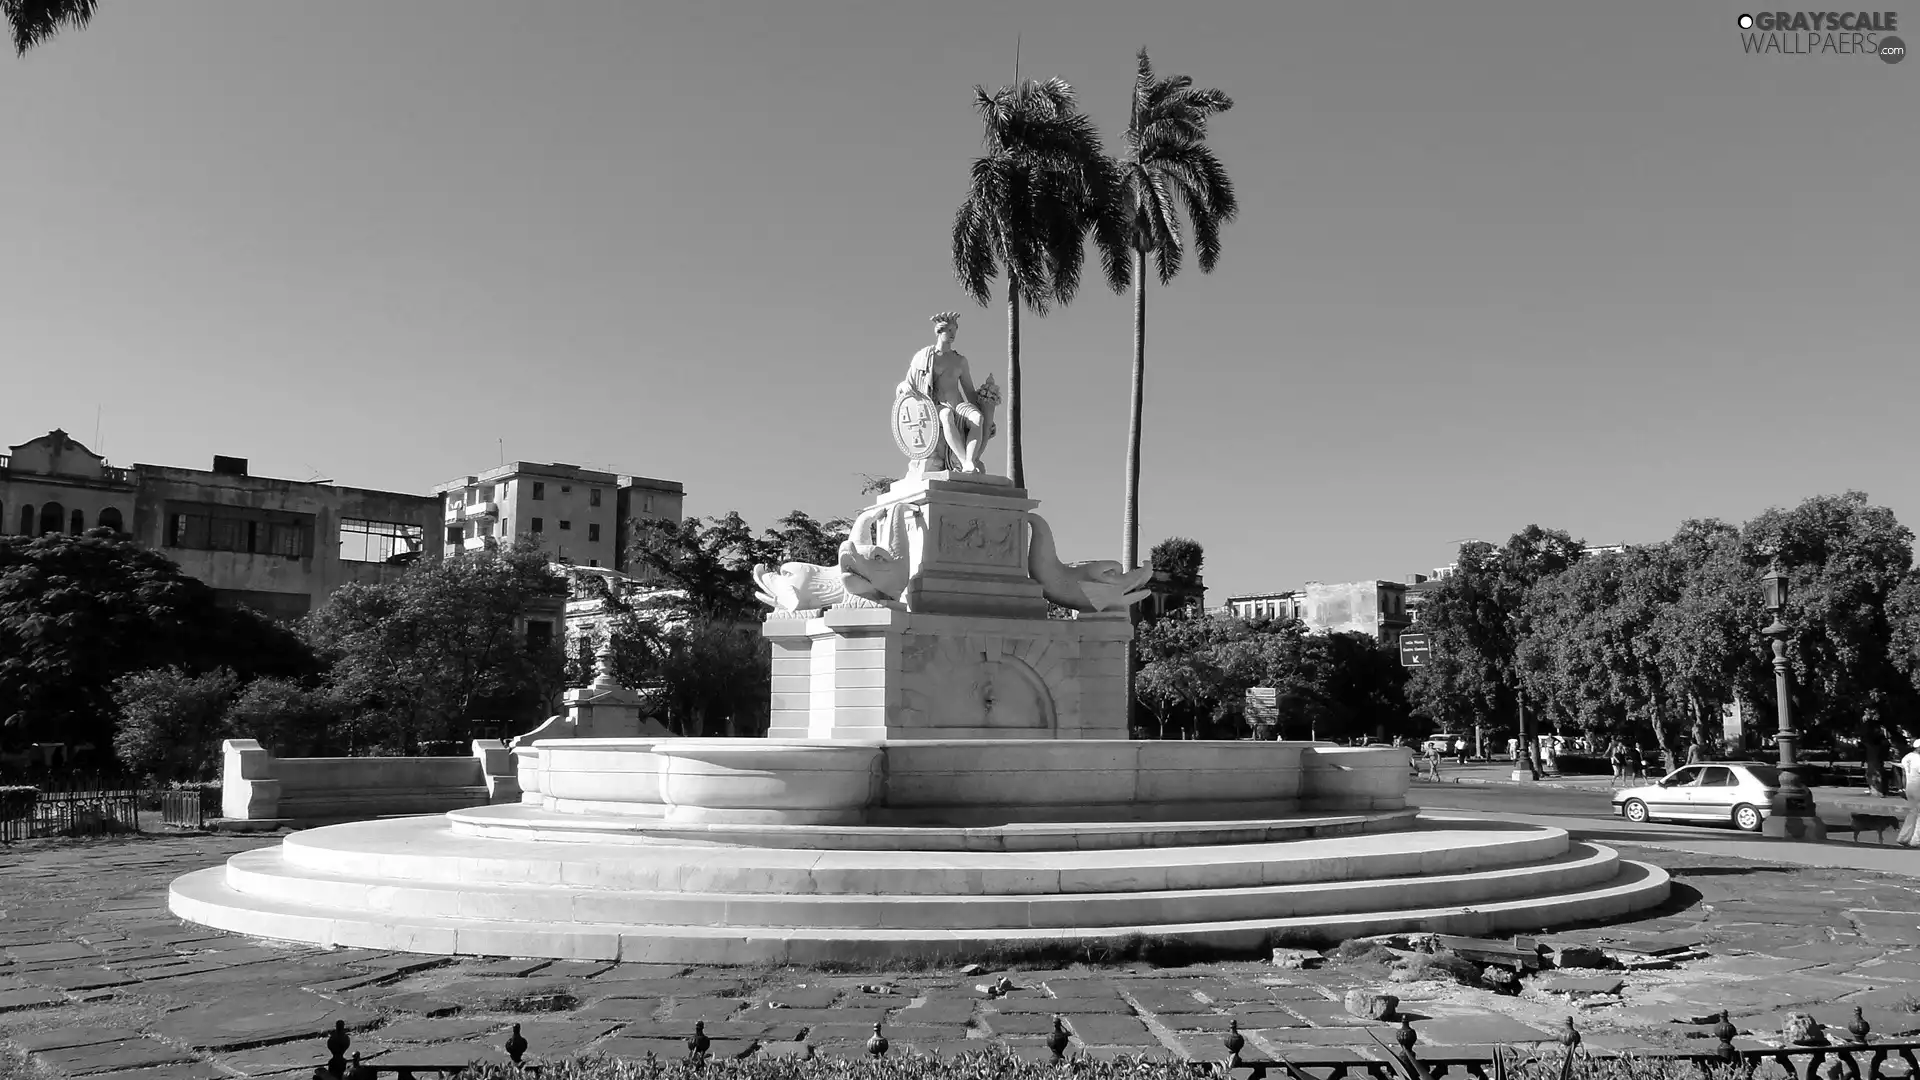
column 54, row 484
column 1375, row 607
column 578, row 515
column 279, row 546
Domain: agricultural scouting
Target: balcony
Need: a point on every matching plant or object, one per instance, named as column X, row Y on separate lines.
column 482, row 509
column 475, row 543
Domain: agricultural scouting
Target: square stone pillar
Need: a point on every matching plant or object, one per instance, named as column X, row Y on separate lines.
column 871, row 672
column 967, row 542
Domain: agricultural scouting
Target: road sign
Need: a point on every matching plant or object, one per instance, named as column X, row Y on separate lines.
column 1416, row 650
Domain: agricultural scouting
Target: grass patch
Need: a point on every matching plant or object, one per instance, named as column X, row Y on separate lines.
column 1442, row 966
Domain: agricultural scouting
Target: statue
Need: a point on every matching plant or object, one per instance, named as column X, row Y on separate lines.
column 1096, row 585
column 940, row 420
column 870, row 569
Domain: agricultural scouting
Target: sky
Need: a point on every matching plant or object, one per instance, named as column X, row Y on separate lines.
column 1591, row 266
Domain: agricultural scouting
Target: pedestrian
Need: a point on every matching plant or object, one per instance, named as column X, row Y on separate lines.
column 1696, row 753
column 1433, row 762
column 1460, row 750
column 1617, row 756
column 1910, row 828
column 1637, row 762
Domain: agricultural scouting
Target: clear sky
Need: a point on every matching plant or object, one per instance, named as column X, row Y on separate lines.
column 1587, row 265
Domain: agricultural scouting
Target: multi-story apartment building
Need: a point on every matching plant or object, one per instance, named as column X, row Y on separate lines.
column 1368, row 607
column 278, row 546
column 578, row 515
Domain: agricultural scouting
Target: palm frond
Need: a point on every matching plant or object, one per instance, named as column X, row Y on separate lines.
column 34, row 21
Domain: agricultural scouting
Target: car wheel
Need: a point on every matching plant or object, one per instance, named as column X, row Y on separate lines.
column 1636, row 811
column 1746, row 819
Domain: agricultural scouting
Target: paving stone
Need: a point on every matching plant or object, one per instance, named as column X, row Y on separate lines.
column 1293, row 992
column 803, row 997
column 809, row 1017
column 947, row 1011
column 51, row 951
column 266, row 1018
column 110, row 1057
column 719, row 1029
column 438, row 1031
column 1553, row 982
column 1253, row 1016
column 1479, row 1029
column 670, row 1049
column 1105, row 1029
column 621, row 1009
column 1017, row 1023
column 186, row 1070
column 62, row 1038
column 555, row 1039
column 416, row 1002
column 1084, row 989
column 1752, row 965
column 1168, row 1001
column 1055, row 1005
column 1329, row 1014
column 401, row 963
column 689, row 1010
column 82, row 978
column 11, row 1000
column 1891, row 971
column 1331, row 1036
column 502, row 968
column 577, row 969
column 300, row 1056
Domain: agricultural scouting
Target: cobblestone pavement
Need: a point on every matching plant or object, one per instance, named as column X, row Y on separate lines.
column 97, row 979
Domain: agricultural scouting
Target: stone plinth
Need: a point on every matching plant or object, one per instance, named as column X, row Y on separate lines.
column 967, row 545
column 872, row 672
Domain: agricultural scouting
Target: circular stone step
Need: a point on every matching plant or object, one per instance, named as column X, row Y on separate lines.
column 425, row 850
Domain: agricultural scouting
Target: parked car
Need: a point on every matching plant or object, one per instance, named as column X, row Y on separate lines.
column 1739, row 792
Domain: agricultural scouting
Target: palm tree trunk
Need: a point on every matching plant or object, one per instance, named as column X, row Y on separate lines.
column 1130, row 540
column 1016, row 468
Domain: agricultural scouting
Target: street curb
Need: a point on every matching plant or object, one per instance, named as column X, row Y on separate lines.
column 1485, row 781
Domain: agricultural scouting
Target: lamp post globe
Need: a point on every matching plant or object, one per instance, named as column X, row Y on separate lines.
column 1792, row 816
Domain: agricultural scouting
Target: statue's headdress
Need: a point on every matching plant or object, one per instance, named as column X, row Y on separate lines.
column 951, row 318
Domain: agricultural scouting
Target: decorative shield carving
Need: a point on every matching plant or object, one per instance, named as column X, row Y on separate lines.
column 916, row 426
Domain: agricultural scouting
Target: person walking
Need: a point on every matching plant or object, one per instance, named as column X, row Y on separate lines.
column 1617, row 756
column 1636, row 763
column 1460, row 750
column 1910, row 828
column 1433, row 762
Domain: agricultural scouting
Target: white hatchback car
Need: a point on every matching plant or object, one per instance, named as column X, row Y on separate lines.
column 1740, row 792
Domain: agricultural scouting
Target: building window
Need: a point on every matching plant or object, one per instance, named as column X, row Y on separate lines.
column 110, row 519
column 539, row 635
column 379, row 541
column 539, row 492
column 593, row 531
column 454, row 535
column 26, row 519
column 486, row 493
column 52, row 518
column 593, row 496
column 566, row 489
column 539, row 526
column 646, row 504
column 565, row 525
column 79, row 523
column 593, row 562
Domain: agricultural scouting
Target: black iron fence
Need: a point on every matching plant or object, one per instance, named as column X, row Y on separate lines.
column 1856, row 1056
column 69, row 806
column 189, row 809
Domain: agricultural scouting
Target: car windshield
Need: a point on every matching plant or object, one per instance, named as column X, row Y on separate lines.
column 1768, row 775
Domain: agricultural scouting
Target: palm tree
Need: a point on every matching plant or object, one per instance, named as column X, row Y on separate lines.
column 1167, row 162
column 34, row 21
column 1041, row 186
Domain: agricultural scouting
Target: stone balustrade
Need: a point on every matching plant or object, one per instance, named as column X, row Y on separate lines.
column 259, row 787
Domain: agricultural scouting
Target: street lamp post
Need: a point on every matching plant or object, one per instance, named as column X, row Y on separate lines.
column 1792, row 816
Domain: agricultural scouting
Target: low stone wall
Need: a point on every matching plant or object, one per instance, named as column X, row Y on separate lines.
column 256, row 786
column 965, row 782
column 1353, row 777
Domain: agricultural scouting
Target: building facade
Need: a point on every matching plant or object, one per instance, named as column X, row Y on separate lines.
column 578, row 516
column 1375, row 607
column 278, row 546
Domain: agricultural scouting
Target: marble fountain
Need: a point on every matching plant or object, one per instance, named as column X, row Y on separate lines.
column 947, row 771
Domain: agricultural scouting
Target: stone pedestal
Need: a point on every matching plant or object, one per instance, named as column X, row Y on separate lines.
column 967, row 545
column 871, row 672
column 604, row 710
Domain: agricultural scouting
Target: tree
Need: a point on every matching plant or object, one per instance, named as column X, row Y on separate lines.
column 440, row 644
column 1180, row 558
column 34, row 21
column 1167, row 163
column 289, row 719
column 708, row 560
column 1846, row 561
column 799, row 538
column 1041, row 186
column 79, row 612
column 171, row 721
